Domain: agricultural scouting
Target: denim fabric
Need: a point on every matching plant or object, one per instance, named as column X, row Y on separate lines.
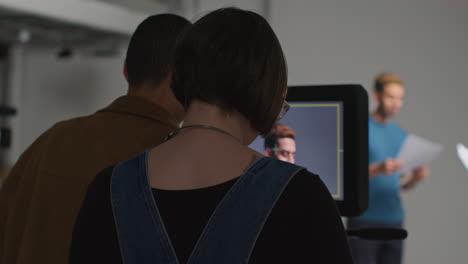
column 141, row 233
column 231, row 232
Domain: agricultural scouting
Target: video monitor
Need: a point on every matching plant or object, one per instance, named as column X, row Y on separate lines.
column 330, row 128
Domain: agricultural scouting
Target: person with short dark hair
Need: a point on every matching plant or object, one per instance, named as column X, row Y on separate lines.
column 204, row 196
column 44, row 191
column 280, row 143
column 385, row 208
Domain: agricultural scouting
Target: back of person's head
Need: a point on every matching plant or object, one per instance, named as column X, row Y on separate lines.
column 278, row 131
column 150, row 54
column 233, row 59
column 385, row 78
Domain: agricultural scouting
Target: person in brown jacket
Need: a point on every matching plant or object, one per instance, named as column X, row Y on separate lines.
column 43, row 193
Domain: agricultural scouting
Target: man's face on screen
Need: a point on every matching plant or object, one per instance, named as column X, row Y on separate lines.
column 286, row 150
column 391, row 99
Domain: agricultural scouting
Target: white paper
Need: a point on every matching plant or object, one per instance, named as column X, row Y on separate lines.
column 463, row 154
column 417, row 152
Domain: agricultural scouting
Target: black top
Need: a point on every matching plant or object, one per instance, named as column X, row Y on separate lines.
column 303, row 227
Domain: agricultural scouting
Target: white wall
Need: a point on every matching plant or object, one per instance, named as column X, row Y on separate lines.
column 54, row 89
column 426, row 42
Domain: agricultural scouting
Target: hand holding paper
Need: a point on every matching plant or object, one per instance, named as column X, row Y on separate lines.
column 420, row 173
column 390, row 166
column 417, row 152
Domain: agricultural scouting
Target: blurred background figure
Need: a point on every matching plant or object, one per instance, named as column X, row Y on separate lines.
column 44, row 191
column 281, row 143
column 385, row 206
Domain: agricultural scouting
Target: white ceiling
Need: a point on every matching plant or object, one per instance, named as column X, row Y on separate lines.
column 76, row 22
column 187, row 8
column 143, row 6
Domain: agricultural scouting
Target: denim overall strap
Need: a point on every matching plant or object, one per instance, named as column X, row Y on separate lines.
column 140, row 230
column 233, row 229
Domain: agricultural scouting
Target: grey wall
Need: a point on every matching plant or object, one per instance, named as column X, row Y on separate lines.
column 426, row 42
column 54, row 89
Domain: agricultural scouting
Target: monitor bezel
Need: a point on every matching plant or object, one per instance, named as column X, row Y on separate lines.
column 355, row 116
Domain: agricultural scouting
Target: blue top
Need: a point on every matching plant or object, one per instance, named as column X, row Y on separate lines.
column 385, row 141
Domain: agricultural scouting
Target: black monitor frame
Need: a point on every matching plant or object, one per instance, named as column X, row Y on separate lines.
column 355, row 138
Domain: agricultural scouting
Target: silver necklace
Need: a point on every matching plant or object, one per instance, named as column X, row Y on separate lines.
column 174, row 133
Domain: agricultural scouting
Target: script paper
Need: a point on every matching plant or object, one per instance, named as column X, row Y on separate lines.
column 463, row 154
column 417, row 152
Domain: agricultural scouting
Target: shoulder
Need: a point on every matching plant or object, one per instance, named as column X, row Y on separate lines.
column 307, row 186
column 68, row 125
column 57, row 130
column 305, row 179
column 307, row 198
column 395, row 127
column 42, row 143
column 301, row 182
column 54, row 139
column 302, row 189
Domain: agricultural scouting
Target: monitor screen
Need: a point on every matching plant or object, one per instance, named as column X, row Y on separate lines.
column 329, row 124
column 318, row 141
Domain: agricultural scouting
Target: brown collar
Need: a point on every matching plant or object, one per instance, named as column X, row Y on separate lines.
column 137, row 106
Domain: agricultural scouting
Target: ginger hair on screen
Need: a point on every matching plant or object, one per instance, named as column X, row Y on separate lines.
column 283, row 131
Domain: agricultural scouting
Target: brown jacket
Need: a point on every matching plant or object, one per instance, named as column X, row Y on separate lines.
column 43, row 193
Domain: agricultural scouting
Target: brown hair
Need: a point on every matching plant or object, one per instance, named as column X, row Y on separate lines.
column 232, row 58
column 150, row 53
column 385, row 78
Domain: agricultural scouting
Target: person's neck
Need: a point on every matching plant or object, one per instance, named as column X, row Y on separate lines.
column 160, row 95
column 380, row 117
column 200, row 113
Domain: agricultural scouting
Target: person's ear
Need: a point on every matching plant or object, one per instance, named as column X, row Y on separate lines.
column 376, row 96
column 267, row 152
